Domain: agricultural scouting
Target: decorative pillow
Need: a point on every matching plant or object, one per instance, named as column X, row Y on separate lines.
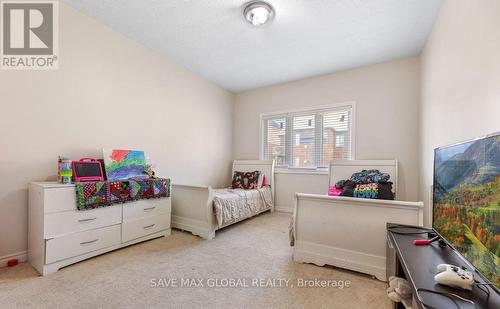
column 245, row 180
column 262, row 181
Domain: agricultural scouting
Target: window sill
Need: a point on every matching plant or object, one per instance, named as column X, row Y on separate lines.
column 301, row 171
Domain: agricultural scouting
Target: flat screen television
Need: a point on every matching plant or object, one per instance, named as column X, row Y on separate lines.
column 466, row 201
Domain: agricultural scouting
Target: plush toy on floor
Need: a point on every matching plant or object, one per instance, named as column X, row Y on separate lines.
column 400, row 291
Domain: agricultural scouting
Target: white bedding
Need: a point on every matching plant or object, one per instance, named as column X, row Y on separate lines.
column 233, row 205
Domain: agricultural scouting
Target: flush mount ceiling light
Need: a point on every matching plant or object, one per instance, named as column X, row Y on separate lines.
column 258, row 13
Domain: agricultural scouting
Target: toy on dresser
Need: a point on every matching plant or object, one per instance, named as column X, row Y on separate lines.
column 87, row 169
column 64, row 171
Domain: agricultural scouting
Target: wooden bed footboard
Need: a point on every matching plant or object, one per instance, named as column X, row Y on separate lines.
column 192, row 210
column 348, row 232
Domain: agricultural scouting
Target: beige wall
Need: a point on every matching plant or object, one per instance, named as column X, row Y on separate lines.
column 387, row 97
column 289, row 183
column 108, row 92
column 460, row 80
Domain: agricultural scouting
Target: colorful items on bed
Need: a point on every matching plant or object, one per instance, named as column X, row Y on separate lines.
column 368, row 176
column 375, row 190
column 245, row 180
column 334, row 191
column 91, row 195
column 367, row 184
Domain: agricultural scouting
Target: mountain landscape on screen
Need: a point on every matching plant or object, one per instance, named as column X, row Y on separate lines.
column 479, row 163
column 467, row 201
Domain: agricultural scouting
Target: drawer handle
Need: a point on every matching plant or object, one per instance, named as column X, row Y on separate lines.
column 89, row 242
column 86, row 220
column 149, row 208
column 149, row 226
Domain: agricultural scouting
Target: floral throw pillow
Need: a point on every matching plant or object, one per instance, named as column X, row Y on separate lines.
column 245, row 180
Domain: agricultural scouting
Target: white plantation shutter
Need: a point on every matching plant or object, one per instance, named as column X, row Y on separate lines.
column 308, row 139
column 275, row 146
column 337, row 142
column 304, row 141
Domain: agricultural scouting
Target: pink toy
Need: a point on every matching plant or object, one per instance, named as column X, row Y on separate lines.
column 334, row 191
column 87, row 169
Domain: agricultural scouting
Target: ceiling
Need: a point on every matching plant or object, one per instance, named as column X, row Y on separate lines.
column 306, row 38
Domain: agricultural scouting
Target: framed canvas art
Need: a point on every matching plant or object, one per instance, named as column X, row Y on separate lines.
column 124, row 164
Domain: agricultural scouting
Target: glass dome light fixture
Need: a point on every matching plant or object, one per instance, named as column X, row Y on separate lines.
column 258, row 13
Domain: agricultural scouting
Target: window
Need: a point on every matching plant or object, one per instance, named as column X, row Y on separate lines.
column 275, row 140
column 308, row 138
column 339, row 141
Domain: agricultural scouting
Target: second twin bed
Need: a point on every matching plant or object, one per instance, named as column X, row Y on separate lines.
column 202, row 210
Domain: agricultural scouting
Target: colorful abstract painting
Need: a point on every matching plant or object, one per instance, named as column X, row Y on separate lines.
column 124, row 164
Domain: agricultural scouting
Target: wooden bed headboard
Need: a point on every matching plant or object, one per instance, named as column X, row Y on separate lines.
column 264, row 166
column 343, row 169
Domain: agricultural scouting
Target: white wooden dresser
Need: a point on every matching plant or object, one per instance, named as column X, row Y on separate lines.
column 60, row 235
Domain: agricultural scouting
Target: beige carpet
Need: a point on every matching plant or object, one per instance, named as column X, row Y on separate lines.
column 254, row 249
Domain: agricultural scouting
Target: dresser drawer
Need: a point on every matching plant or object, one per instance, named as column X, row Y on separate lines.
column 59, row 199
column 145, row 208
column 146, row 226
column 67, row 222
column 64, row 247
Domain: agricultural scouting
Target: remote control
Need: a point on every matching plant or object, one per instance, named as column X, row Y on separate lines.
column 454, row 276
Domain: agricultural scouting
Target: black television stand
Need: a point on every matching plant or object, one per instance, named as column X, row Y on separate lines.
column 418, row 265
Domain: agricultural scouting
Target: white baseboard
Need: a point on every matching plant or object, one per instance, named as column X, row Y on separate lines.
column 20, row 256
column 283, row 209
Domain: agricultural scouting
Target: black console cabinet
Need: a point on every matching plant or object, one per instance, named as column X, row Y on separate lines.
column 418, row 265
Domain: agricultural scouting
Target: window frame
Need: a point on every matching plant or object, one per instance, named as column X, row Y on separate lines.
column 288, row 115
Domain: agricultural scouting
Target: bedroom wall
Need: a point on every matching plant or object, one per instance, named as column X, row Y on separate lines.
column 108, row 92
column 387, row 97
column 460, row 81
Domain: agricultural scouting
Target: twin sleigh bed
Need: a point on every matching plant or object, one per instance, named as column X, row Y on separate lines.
column 202, row 210
column 350, row 232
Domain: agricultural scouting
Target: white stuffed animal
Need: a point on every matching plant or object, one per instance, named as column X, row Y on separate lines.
column 400, row 291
